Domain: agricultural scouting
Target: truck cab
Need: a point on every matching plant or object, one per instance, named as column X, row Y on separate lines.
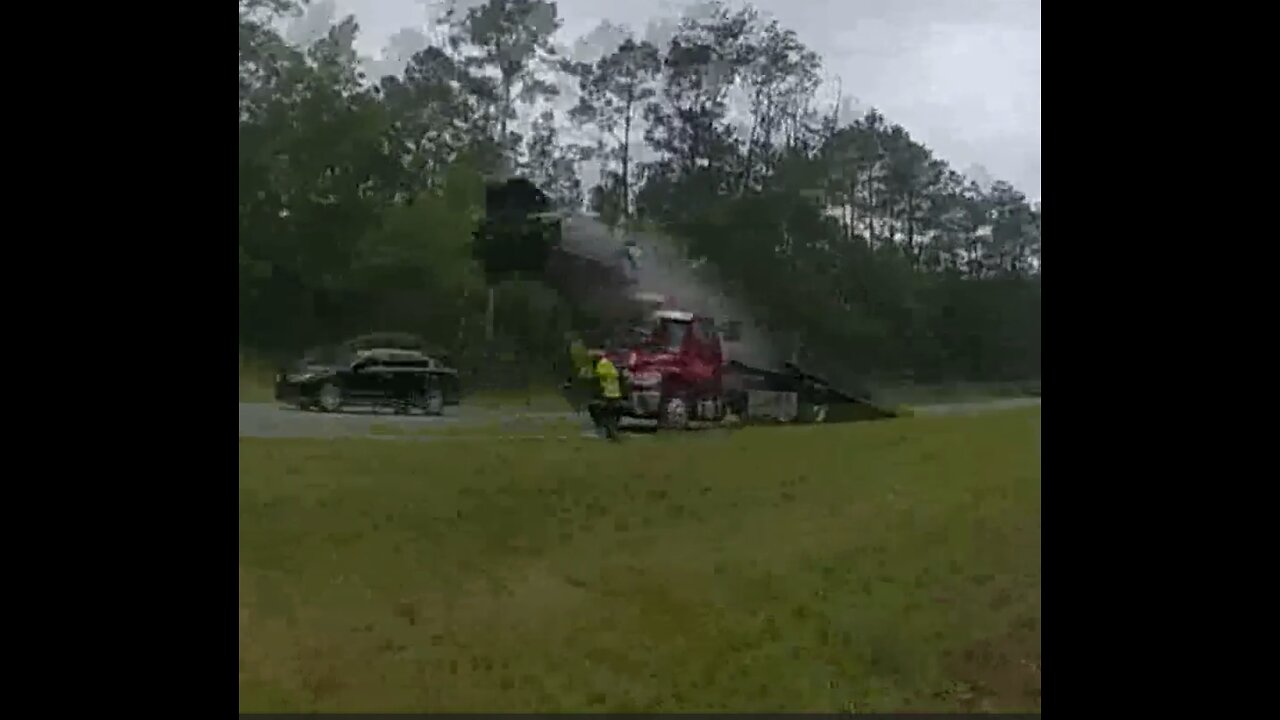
column 674, row 369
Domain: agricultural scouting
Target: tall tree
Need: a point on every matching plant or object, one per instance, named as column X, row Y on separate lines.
column 552, row 165
column 706, row 57
column 780, row 73
column 514, row 40
column 613, row 90
column 438, row 112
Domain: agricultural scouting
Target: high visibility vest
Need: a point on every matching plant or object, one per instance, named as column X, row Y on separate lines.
column 608, row 375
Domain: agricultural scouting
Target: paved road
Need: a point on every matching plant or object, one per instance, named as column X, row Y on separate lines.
column 275, row 421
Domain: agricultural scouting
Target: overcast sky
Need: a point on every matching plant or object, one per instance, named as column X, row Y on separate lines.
column 962, row 76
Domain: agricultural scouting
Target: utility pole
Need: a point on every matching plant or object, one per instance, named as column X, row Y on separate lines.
column 505, row 172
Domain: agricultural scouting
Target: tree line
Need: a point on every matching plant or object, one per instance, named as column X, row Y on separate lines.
column 358, row 196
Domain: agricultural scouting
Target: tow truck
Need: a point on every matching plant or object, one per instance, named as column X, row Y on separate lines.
column 675, row 372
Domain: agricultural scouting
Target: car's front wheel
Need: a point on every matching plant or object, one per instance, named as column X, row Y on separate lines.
column 329, row 399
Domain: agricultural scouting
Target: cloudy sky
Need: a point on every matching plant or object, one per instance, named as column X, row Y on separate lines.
column 962, row 76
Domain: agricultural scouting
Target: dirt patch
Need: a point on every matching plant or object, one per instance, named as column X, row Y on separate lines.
column 320, row 669
column 1000, row 674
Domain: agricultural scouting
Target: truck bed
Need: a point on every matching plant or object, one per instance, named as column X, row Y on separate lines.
column 753, row 386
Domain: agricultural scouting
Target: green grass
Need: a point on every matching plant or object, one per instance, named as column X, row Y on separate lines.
column 866, row 567
column 908, row 395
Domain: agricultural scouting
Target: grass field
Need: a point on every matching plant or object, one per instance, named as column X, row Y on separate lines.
column 867, row 567
column 916, row 395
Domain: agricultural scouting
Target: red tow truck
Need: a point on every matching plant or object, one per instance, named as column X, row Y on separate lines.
column 675, row 372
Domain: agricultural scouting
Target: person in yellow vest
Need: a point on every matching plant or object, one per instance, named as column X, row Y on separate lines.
column 606, row 408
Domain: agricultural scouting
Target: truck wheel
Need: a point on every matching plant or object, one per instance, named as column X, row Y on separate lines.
column 711, row 408
column 330, row 397
column 675, row 414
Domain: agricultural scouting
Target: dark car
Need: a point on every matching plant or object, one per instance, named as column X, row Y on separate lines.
column 378, row 377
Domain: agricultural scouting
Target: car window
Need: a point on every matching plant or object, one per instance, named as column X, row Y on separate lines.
column 411, row 363
column 404, row 360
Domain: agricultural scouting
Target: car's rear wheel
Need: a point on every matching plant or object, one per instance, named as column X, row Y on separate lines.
column 431, row 401
column 330, row 397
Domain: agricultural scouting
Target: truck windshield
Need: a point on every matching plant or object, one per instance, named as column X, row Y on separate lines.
column 670, row 335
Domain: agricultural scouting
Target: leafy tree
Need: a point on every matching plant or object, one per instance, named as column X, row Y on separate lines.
column 705, row 58
column 438, row 112
column 613, row 90
column 514, row 39
column 552, row 166
column 780, row 73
